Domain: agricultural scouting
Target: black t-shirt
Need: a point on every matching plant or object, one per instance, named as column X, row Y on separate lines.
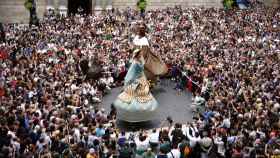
column 4, row 141
column 161, row 156
column 177, row 135
column 125, row 153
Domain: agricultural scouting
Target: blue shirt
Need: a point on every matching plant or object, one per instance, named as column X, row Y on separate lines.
column 99, row 132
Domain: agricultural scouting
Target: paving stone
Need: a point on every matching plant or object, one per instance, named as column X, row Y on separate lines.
column 172, row 104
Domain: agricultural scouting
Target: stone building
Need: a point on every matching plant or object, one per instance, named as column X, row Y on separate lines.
column 13, row 10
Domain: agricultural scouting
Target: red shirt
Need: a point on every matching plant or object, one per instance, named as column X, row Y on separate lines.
column 2, row 92
column 50, row 53
column 3, row 54
column 14, row 83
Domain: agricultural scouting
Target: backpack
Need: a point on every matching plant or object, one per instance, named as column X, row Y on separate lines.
column 187, row 152
column 125, row 153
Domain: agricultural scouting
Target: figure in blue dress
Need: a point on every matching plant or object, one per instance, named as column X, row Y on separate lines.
column 136, row 103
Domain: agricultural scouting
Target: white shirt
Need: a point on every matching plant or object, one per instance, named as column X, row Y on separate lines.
column 92, row 91
column 110, row 80
column 143, row 41
column 142, row 145
column 30, row 94
column 154, row 137
column 175, row 152
column 77, row 135
column 193, row 139
column 226, row 123
column 221, row 148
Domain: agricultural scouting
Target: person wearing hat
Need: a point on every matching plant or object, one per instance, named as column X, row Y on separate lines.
column 163, row 150
column 149, row 153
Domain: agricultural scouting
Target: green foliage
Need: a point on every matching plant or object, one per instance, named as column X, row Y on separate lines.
column 142, row 4
column 28, row 4
column 228, row 4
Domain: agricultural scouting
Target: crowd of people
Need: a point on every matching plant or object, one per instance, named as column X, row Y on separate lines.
column 228, row 59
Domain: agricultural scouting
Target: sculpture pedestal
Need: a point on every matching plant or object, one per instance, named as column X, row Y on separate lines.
column 135, row 111
column 135, row 116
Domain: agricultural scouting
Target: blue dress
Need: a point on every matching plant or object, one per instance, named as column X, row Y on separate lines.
column 135, row 103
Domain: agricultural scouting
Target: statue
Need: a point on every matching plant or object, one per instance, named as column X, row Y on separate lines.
column 154, row 66
column 136, row 103
column 30, row 5
column 142, row 4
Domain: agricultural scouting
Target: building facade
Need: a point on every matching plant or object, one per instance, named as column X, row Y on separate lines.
column 12, row 11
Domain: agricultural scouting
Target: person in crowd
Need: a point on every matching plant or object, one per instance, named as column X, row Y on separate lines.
column 149, row 153
column 229, row 60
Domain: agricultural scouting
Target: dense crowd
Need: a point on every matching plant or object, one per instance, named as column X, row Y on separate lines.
column 229, row 60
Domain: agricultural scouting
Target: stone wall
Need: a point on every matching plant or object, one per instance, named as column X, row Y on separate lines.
column 168, row 3
column 272, row 3
column 12, row 11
